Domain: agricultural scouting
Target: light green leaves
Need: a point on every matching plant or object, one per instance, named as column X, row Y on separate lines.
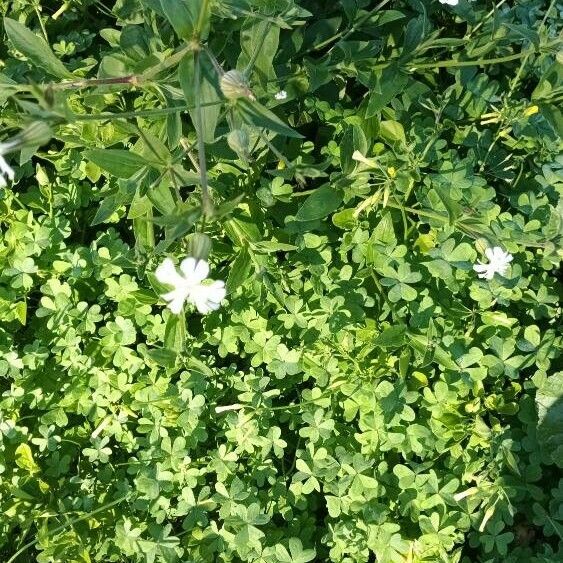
column 118, row 162
column 399, row 280
column 361, row 394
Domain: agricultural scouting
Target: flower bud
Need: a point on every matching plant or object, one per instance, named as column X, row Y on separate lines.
column 234, row 85
column 199, row 246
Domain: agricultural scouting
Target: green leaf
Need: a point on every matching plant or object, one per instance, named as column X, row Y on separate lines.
column 319, row 204
column 182, row 15
column 345, row 219
column 175, row 333
column 391, row 337
column 353, row 140
column 210, row 96
column 441, row 356
column 453, row 208
column 259, row 37
column 107, row 208
column 118, row 162
column 163, row 357
column 549, row 405
column 392, row 132
column 254, row 113
column 24, row 459
column 414, row 34
column 240, row 270
column 391, row 82
column 35, row 49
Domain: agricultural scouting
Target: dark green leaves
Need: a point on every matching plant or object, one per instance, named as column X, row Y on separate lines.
column 319, row 204
column 388, row 85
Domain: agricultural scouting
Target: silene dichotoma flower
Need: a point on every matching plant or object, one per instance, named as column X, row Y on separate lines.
column 281, row 95
column 188, row 285
column 450, row 2
column 498, row 263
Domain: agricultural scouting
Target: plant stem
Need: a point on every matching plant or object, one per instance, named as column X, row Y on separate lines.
column 478, row 62
column 131, row 80
column 206, row 204
column 143, row 113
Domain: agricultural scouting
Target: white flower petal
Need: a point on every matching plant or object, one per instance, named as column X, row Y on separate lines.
column 201, row 270
column 217, row 291
column 176, row 299
column 167, row 273
column 187, row 265
column 194, row 270
column 499, row 260
column 481, row 267
column 207, row 298
column 499, row 254
column 490, row 254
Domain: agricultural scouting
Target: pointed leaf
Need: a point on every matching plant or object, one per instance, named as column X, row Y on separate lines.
column 35, row 48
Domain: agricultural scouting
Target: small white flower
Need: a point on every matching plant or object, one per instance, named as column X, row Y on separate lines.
column 281, row 95
column 5, row 170
column 498, row 263
column 188, row 285
column 450, row 2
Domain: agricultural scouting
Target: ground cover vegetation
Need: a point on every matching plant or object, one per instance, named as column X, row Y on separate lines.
column 279, row 281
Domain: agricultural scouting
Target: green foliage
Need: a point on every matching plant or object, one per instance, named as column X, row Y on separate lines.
column 361, row 394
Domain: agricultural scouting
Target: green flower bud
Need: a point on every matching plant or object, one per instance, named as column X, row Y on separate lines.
column 199, row 246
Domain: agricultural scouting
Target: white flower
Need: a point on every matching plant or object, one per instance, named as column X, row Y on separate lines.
column 498, row 263
column 281, row 95
column 5, row 170
column 188, row 285
column 450, row 2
